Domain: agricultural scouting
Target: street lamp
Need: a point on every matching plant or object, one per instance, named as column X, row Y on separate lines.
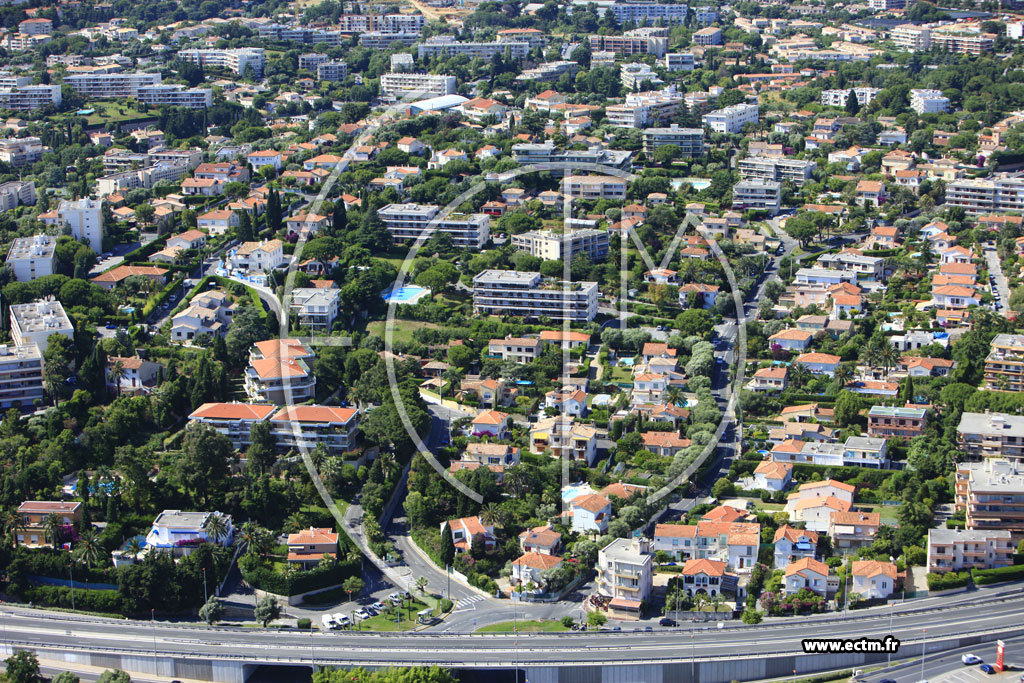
column 891, row 604
column 206, row 597
column 924, row 649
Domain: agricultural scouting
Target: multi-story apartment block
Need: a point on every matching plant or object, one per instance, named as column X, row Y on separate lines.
column 548, row 71
column 709, row 35
column 85, row 218
column 928, row 101
column 763, row 195
column 257, row 257
column 21, row 376
column 992, row 435
column 21, row 151
column 311, row 60
column 332, row 71
column 413, row 221
column 448, row 47
column 991, row 493
column 963, row 42
column 797, row 171
column 912, row 38
column 642, row 13
column 34, row 322
column 565, row 438
column 999, row 193
column 104, row 85
column 236, row 60
column 306, row 427
column 28, row 97
column 625, row 574
column 32, row 257
column 886, row 5
column 173, row 95
column 1004, row 366
column 837, row 98
column 233, row 420
column 645, row 109
column 680, row 61
column 35, row 27
column 382, row 40
column 14, row 193
column 594, row 187
column 416, row 85
column 888, row 421
column 559, row 246
column 731, row 119
column 525, row 294
column 208, row 313
column 316, row 308
column 690, row 141
column 959, row 549
column 630, row 45
column 735, row 543
column 279, row 373
column 544, row 153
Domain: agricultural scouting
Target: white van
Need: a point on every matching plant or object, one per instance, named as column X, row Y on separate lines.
column 328, row 622
column 341, row 620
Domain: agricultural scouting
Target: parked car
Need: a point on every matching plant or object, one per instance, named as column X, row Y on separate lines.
column 395, row 597
column 987, row 668
column 971, row 659
column 666, row 621
column 379, row 606
column 362, row 614
column 340, row 619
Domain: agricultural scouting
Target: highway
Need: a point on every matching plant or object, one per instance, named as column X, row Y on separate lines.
column 980, row 612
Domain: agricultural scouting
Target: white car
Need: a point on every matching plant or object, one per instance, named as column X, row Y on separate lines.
column 970, row 659
column 362, row 614
column 328, row 622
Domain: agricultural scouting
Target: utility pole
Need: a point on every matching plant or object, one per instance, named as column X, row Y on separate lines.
column 888, row 662
column 72, row 577
column 206, row 597
column 924, row 649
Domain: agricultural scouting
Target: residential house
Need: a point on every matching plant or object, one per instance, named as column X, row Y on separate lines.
column 180, row 532
column 773, row 476
column 874, row 580
column 492, row 423
column 308, row 547
column 625, row 574
column 564, row 437
column 792, row 544
column 529, row 568
column 769, row 379
column 541, row 539
column 853, row 529
column 590, row 513
column 469, row 530
column 132, row 375
column 33, row 514
column 810, row 574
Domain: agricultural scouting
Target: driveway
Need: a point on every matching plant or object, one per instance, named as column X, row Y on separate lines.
column 996, row 269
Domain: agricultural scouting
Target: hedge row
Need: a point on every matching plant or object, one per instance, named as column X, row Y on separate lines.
column 947, row 580
column 106, row 601
column 300, row 582
column 986, row 576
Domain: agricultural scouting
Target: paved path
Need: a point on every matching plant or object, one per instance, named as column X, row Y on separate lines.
column 995, row 269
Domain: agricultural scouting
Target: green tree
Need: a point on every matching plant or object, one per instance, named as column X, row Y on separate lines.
column 266, row 610
column 202, row 466
column 353, row 584
column 114, row 676
column 23, row 667
column 261, row 454
column 89, row 549
column 847, row 408
column 447, row 546
column 723, row 488
column 852, row 105
column 596, row 619
column 437, row 277
column 245, row 227
column 213, row 611
column 65, row 677
column 907, row 390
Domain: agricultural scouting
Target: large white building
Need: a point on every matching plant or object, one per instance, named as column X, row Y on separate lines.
column 21, row 151
column 307, row 426
column 101, row 85
column 959, row 549
column 731, row 119
column 27, row 97
column 399, row 85
column 316, row 307
column 32, row 257
column 445, row 46
column 411, row 221
column 765, row 195
column 34, row 322
column 174, row 95
column 234, row 59
column 690, row 141
column 552, row 246
column 928, row 101
column 85, row 218
column 797, row 171
column 837, row 98
column 625, row 574
column 15, row 193
column 525, row 294
column 999, row 193
column 645, row 108
column 21, row 375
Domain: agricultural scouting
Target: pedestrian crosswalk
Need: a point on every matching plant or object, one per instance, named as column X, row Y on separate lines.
column 465, row 602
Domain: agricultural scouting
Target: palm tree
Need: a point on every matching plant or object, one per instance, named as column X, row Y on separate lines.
column 216, row 528
column 843, row 375
column 134, row 547
column 421, row 583
column 700, row 599
column 53, row 527
column 798, row 374
column 255, row 537
column 89, row 550
column 10, row 521
column 116, row 373
column 673, row 395
column 889, row 357
column 492, row 515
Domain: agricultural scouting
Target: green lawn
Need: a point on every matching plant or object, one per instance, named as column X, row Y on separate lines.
column 620, row 373
column 403, row 328
column 116, row 112
column 535, row 626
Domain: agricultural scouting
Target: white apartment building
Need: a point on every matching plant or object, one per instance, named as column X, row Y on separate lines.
column 731, row 119
column 797, row 171
column 552, row 246
column 709, row 35
column 633, row 74
column 419, row 86
column 234, row 59
column 927, row 101
column 412, row 221
column 28, row 97
column 32, row 257
column 97, row 85
column 173, row 95
column 34, row 322
column 85, row 218
column 758, row 194
column 645, row 108
column 992, row 435
column 316, row 308
column 837, row 98
column 625, row 573
column 999, row 193
column 594, row 187
column 690, row 141
column 448, row 47
column 179, row 532
column 17, row 192
column 912, row 38
column 332, row 71
column 307, row 427
column 959, row 549
column 21, row 151
column 257, row 257
column 642, row 13
column 522, row 350
column 525, row 294
column 21, row 375
column 680, row 61
column 233, row 420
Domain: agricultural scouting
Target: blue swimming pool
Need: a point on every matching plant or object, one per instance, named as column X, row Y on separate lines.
column 628, row 362
column 404, row 295
column 576, row 490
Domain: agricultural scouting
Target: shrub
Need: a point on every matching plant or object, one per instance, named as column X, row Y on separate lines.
column 986, row 576
column 304, row 623
column 948, row 580
column 446, row 605
column 751, row 616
